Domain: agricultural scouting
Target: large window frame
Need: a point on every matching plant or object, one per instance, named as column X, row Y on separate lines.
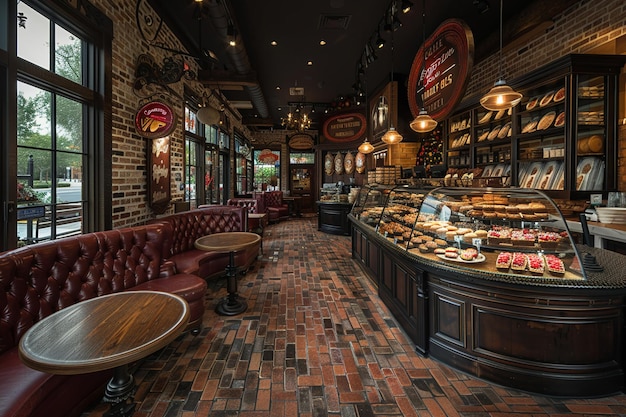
column 93, row 92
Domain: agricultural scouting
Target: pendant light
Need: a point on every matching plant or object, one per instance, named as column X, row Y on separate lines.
column 423, row 123
column 366, row 147
column 501, row 96
column 392, row 137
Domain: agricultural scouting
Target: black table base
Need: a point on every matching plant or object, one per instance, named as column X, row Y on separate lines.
column 120, row 393
column 232, row 304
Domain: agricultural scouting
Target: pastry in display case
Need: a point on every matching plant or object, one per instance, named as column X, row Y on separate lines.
column 370, row 203
column 512, row 231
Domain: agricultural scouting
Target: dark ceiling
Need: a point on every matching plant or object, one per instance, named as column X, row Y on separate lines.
column 249, row 74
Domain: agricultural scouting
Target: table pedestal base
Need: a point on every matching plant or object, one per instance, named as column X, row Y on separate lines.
column 232, row 304
column 120, row 389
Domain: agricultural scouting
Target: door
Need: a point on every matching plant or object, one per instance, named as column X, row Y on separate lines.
column 302, row 178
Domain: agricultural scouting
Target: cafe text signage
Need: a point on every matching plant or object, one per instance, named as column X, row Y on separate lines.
column 439, row 85
column 155, row 120
column 345, row 127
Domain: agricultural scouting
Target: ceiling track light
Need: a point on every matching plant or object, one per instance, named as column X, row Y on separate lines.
column 406, row 6
column 501, row 96
column 380, row 42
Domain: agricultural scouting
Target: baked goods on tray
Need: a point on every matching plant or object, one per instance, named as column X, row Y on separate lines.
column 518, row 261
column 504, row 260
column 535, row 263
column 554, row 264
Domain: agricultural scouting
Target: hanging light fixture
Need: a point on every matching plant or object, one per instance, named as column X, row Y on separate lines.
column 207, row 114
column 501, row 96
column 391, row 136
column 423, row 122
column 298, row 120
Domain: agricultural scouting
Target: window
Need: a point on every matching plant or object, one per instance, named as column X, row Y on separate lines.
column 54, row 130
column 266, row 170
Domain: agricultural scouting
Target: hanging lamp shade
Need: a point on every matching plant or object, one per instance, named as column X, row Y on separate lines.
column 208, row 115
column 366, row 147
column 423, row 122
column 391, row 137
column 500, row 97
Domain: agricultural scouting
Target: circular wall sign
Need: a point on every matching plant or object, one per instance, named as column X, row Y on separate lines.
column 439, row 85
column 155, row 120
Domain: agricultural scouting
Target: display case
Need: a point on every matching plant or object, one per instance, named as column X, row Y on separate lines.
column 468, row 265
column 504, row 232
column 370, row 202
column 560, row 139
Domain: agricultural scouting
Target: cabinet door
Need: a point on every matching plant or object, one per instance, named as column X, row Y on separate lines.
column 590, row 133
column 459, row 140
column 541, row 137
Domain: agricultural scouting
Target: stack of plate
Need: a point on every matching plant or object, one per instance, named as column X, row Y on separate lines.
column 615, row 215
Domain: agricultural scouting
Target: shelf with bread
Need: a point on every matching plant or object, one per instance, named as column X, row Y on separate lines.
column 565, row 129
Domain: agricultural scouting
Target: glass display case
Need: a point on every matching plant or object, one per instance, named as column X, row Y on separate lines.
column 502, row 231
column 370, row 203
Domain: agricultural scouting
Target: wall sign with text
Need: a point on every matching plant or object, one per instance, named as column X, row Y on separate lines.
column 439, row 85
column 345, row 127
column 155, row 120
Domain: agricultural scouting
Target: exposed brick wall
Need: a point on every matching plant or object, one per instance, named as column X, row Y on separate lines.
column 129, row 175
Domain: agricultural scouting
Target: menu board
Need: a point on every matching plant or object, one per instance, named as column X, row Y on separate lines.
column 440, row 70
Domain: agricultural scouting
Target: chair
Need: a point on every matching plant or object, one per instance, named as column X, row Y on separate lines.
column 274, row 206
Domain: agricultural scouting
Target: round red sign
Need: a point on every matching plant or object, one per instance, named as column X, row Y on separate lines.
column 155, row 120
column 439, row 85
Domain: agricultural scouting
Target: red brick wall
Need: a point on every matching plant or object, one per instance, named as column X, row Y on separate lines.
column 129, row 176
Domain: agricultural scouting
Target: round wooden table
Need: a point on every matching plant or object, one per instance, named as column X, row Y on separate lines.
column 231, row 242
column 105, row 332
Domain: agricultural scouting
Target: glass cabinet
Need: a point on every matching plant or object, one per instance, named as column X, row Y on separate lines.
column 561, row 138
column 510, row 232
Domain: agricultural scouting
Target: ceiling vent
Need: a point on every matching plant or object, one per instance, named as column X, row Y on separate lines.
column 335, row 22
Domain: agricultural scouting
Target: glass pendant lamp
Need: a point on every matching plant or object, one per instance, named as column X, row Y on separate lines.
column 501, row 96
column 423, row 123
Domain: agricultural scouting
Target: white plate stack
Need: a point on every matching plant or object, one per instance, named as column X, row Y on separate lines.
column 614, row 215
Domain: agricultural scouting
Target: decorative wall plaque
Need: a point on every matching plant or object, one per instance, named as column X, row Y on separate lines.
column 345, row 127
column 155, row 120
column 159, row 193
column 449, row 58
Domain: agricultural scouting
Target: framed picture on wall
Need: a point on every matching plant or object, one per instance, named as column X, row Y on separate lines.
column 383, row 109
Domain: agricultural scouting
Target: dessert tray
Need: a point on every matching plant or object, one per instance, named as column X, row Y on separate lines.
column 477, row 259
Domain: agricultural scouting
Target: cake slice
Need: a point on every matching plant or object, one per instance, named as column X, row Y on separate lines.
column 504, row 260
column 536, row 264
column 555, row 264
column 518, row 261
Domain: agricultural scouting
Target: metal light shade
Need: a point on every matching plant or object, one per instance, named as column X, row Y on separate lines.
column 208, row 115
column 423, row 122
column 391, row 137
column 500, row 97
column 366, row 147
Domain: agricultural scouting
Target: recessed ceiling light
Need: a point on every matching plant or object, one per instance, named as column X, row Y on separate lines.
column 322, row 42
column 273, row 43
column 309, row 63
column 278, row 87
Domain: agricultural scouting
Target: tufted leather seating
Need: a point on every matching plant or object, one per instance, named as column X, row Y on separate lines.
column 193, row 224
column 251, row 204
column 40, row 279
column 275, row 208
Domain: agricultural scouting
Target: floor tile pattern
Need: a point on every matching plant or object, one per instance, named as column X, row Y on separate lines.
column 316, row 341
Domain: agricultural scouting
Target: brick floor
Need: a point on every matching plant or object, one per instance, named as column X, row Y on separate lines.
column 316, row 341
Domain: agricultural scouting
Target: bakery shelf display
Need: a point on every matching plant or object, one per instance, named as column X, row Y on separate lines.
column 490, row 281
column 561, row 138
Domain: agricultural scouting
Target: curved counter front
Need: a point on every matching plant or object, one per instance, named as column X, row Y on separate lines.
column 558, row 334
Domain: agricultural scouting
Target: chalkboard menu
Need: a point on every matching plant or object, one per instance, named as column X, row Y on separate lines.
column 439, row 85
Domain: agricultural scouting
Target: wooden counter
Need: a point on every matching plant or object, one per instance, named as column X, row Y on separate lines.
column 548, row 335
